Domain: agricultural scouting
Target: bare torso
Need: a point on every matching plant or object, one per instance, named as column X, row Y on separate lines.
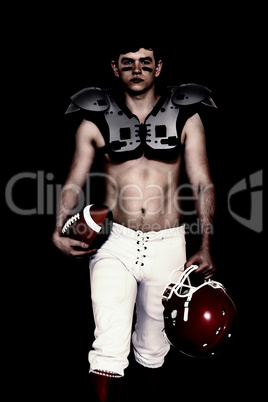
column 142, row 193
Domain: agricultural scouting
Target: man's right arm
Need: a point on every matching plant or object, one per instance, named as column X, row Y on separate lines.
column 86, row 137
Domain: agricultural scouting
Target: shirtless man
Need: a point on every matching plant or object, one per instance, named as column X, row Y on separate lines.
column 147, row 242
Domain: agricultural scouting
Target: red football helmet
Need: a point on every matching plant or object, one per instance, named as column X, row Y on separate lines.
column 198, row 320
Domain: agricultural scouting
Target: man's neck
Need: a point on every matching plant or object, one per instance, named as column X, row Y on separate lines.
column 141, row 104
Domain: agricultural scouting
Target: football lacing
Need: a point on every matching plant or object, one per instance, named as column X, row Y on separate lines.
column 69, row 222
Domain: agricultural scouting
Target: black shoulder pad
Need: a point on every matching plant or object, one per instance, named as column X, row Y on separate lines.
column 91, row 99
column 190, row 94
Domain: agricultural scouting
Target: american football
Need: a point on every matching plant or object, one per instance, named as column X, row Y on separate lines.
column 91, row 225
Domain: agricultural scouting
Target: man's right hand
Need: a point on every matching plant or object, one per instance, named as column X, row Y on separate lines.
column 71, row 247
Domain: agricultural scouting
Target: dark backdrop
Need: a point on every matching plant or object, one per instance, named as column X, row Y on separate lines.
column 49, row 319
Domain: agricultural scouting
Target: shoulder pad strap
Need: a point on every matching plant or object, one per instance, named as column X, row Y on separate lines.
column 189, row 94
column 91, row 99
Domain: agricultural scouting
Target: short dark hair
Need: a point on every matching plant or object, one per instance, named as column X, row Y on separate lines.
column 134, row 46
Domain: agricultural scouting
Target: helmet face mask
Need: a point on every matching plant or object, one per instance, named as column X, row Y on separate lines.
column 199, row 320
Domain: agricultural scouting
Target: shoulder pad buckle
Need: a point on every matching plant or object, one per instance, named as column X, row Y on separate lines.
column 91, row 99
column 189, row 94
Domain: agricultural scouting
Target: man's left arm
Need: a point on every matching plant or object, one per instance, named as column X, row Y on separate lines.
column 197, row 169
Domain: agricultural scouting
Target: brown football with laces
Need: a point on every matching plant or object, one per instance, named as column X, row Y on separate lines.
column 91, row 225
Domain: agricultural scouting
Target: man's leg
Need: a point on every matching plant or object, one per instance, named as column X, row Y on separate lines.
column 150, row 346
column 107, row 386
column 113, row 293
column 149, row 381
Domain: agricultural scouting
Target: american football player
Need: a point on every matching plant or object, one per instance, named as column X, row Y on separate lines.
column 145, row 139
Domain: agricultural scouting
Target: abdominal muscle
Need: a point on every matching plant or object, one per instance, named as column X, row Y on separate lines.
column 143, row 194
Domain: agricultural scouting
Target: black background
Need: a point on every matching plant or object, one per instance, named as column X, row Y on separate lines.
column 49, row 325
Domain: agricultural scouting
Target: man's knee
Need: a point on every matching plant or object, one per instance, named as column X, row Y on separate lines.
column 150, row 352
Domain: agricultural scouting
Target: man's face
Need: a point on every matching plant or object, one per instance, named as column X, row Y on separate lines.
column 138, row 70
